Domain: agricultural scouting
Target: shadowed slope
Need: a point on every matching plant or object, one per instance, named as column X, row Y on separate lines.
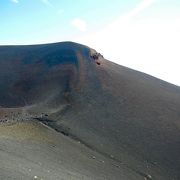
column 125, row 115
column 26, row 71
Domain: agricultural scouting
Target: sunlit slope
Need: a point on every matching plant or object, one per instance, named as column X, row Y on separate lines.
column 29, row 150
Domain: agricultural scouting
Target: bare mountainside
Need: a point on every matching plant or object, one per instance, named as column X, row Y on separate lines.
column 67, row 113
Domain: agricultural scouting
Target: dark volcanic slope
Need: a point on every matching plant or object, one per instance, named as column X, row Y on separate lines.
column 126, row 116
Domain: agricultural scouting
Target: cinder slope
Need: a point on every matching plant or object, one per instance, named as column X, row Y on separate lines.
column 126, row 116
column 29, row 150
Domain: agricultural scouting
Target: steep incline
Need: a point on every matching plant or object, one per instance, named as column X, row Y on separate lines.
column 127, row 116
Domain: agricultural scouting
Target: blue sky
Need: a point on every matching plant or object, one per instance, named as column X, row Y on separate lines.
column 141, row 34
column 33, row 21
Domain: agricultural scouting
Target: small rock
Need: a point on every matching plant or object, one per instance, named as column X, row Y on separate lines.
column 111, row 156
column 149, row 176
column 98, row 63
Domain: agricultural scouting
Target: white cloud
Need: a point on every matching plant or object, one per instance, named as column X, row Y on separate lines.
column 47, row 2
column 79, row 24
column 139, row 8
column 15, row 1
column 134, row 12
